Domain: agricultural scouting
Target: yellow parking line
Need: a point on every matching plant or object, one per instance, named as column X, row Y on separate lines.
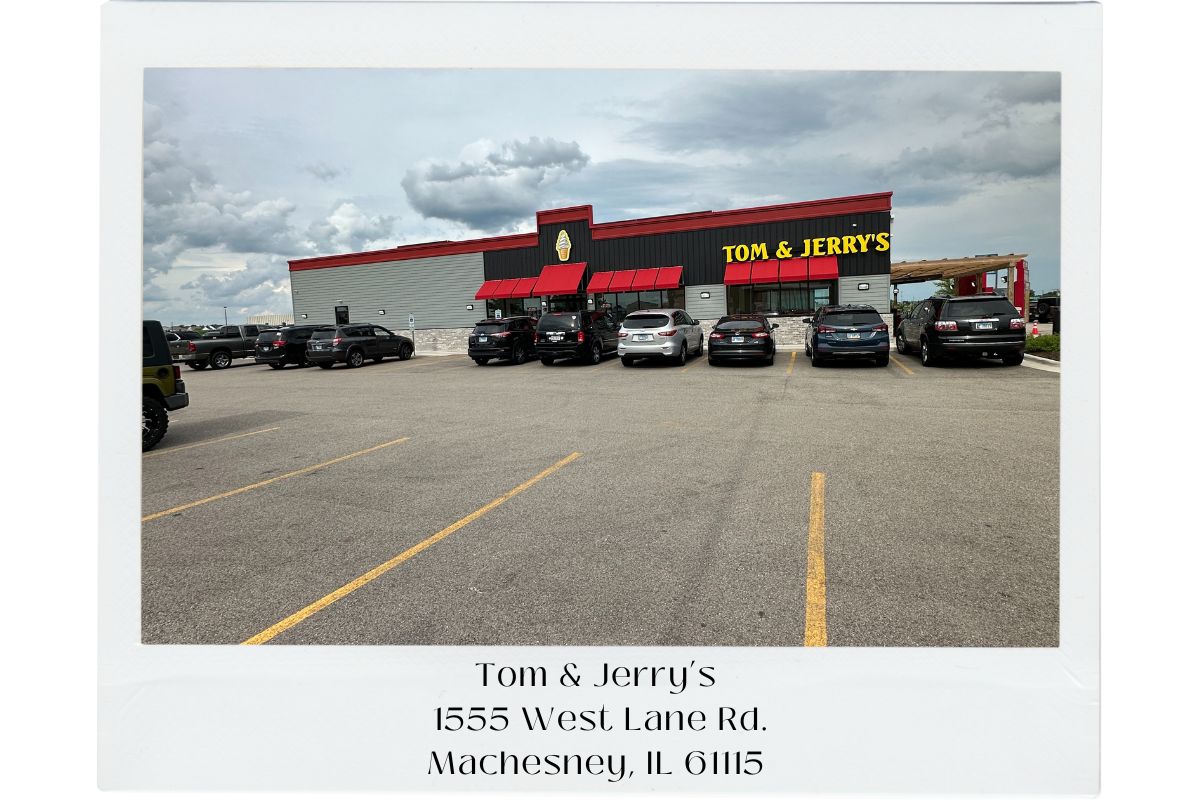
column 897, row 362
column 814, row 607
column 367, row 577
column 208, row 441
column 260, row 484
column 792, row 363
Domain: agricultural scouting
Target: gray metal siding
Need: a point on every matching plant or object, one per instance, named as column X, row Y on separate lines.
column 699, row 308
column 435, row 290
column 878, row 295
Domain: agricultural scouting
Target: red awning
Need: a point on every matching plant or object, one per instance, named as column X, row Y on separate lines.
column 599, row 282
column 507, row 288
column 793, row 269
column 560, row 279
column 643, row 280
column 668, row 278
column 621, row 281
column 737, row 273
column 488, row 290
column 764, row 271
column 823, row 268
column 524, row 287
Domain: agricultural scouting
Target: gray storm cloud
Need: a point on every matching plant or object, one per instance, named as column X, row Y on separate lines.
column 492, row 186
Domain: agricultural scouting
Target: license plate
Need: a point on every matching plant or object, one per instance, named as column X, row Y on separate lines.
column 641, row 337
column 737, row 339
column 481, row 339
column 318, row 347
column 985, row 326
column 265, row 348
column 556, row 337
column 853, row 335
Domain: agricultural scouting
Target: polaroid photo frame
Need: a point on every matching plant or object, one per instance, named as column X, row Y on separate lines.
column 689, row 714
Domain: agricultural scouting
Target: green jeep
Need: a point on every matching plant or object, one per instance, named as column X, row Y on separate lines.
column 162, row 389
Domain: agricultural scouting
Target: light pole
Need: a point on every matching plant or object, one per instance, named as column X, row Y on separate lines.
column 226, row 310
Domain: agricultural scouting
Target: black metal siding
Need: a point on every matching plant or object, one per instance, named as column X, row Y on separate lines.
column 700, row 253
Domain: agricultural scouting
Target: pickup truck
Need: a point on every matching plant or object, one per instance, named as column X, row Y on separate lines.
column 219, row 348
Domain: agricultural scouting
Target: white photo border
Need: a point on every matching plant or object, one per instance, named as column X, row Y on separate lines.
column 851, row 719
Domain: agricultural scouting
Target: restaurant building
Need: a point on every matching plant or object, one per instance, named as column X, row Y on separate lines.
column 783, row 260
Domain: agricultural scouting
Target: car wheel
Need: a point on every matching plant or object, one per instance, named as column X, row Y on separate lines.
column 901, row 344
column 813, row 360
column 325, row 365
column 197, row 364
column 596, row 355
column 626, row 361
column 881, row 361
column 354, row 359
column 481, row 361
column 547, row 361
column 274, row 365
column 518, row 355
column 220, row 359
column 807, row 351
column 926, row 356
column 681, row 359
column 771, row 360
column 406, row 352
column 712, row 362
column 1012, row 361
column 154, row 422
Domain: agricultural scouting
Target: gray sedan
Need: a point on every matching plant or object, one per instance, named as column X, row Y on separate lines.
column 668, row 333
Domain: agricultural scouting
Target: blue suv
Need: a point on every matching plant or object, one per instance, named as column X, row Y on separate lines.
column 847, row 332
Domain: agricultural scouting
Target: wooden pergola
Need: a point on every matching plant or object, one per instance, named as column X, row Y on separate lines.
column 920, row 271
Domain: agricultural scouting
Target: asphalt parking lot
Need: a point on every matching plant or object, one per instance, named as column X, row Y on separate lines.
column 434, row 502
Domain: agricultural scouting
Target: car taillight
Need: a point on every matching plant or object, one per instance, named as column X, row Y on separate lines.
column 1017, row 324
column 537, row 337
column 716, row 335
column 824, row 329
column 622, row 334
column 336, row 341
column 947, row 325
column 761, row 334
column 879, row 328
column 191, row 347
column 667, row 333
column 278, row 343
column 177, row 375
column 501, row 334
column 579, row 336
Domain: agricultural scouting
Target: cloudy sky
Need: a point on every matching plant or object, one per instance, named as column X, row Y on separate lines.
column 245, row 169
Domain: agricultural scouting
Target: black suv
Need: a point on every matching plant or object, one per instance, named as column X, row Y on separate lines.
column 979, row 325
column 284, row 346
column 510, row 337
column 850, row 331
column 586, row 335
column 354, row 344
column 742, row 337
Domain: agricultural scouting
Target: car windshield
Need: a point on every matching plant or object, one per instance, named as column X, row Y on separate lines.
column 962, row 309
column 559, row 322
column 269, row 336
column 740, row 325
column 324, row 334
column 491, row 327
column 852, row 318
column 645, row 321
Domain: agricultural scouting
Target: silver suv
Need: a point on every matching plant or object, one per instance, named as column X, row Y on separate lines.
column 668, row 333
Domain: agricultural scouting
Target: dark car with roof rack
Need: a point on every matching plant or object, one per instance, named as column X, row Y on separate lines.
column 847, row 332
column 976, row 326
column 354, row 344
column 582, row 335
column 509, row 338
column 285, row 346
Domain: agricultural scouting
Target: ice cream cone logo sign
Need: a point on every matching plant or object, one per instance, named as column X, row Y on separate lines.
column 563, row 246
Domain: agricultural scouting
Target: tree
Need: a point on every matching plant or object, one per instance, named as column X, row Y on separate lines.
column 947, row 287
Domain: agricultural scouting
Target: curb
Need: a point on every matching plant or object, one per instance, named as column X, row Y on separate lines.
column 1041, row 360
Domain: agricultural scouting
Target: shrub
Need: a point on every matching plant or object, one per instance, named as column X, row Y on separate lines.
column 1047, row 343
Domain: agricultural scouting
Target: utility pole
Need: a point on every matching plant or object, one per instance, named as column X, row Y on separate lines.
column 226, row 310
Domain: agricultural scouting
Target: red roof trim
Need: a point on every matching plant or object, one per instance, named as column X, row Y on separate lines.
column 643, row 280
column 702, row 220
column 793, row 269
column 621, row 281
column 822, row 268
column 488, row 290
column 525, row 287
column 507, row 288
column 560, row 279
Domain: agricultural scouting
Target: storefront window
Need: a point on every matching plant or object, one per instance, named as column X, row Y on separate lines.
column 783, row 299
column 508, row 307
column 623, row 303
column 566, row 302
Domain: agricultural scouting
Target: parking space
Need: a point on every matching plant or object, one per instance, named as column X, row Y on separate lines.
column 433, row 501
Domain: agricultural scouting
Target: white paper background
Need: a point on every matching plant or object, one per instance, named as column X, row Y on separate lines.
column 856, row 719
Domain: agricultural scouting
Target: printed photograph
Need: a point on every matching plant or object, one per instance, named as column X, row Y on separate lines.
column 605, row 357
